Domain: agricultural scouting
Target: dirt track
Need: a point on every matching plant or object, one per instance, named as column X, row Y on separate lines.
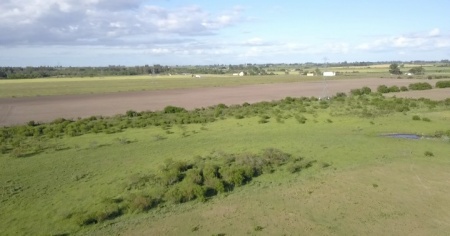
column 43, row 109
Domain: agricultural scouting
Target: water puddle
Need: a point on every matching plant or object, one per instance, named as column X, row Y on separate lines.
column 405, row 136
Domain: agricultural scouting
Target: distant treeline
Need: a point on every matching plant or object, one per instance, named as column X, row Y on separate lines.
column 61, row 72
column 113, row 70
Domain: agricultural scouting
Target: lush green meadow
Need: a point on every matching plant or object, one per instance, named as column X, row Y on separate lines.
column 295, row 166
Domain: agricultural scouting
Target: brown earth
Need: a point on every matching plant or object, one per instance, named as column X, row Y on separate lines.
column 47, row 108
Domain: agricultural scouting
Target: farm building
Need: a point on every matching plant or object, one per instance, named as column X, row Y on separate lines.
column 310, row 74
column 329, row 73
column 241, row 73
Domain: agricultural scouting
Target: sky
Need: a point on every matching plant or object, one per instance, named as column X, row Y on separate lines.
column 201, row 32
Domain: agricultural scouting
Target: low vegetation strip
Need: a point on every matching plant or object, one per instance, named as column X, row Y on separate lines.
column 31, row 139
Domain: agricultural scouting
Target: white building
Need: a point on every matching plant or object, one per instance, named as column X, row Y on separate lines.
column 329, row 73
column 309, row 74
column 241, row 73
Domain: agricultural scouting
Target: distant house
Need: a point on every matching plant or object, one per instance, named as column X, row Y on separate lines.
column 309, row 74
column 409, row 74
column 198, row 76
column 241, row 73
column 235, row 74
column 329, row 73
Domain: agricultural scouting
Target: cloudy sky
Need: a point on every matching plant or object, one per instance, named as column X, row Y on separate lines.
column 191, row 32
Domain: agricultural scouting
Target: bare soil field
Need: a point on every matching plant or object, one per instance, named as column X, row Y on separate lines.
column 47, row 108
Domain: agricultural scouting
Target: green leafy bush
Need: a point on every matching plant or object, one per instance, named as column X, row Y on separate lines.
column 173, row 109
column 420, row 86
column 382, row 89
column 394, row 89
column 443, row 84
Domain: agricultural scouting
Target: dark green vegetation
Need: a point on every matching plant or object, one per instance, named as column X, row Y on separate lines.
column 395, row 69
column 443, row 84
column 420, row 86
column 180, row 181
column 91, row 175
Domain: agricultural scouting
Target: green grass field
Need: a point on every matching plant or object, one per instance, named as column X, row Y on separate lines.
column 360, row 182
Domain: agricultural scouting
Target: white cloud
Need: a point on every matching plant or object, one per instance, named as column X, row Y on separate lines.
column 434, row 32
column 74, row 22
column 414, row 42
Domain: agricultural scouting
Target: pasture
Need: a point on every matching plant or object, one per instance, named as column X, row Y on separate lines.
column 358, row 181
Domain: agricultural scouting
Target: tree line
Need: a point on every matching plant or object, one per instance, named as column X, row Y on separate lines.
column 61, row 72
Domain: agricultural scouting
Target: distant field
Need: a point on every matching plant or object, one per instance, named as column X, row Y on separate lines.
column 47, row 108
column 97, row 85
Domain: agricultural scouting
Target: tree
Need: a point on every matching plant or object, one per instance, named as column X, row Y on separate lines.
column 318, row 72
column 394, row 69
column 418, row 70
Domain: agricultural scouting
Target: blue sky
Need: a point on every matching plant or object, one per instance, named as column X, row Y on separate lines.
column 191, row 32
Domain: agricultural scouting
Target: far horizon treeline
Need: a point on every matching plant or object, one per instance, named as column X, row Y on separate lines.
column 30, row 72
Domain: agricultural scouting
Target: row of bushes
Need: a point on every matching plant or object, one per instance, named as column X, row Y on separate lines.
column 179, row 181
column 391, row 89
column 414, row 86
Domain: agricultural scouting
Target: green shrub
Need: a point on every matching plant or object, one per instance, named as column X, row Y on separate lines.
column 416, row 117
column 173, row 109
column 394, row 89
column 366, row 90
column 141, row 203
column 443, row 84
column 355, row 92
column 383, row 89
column 403, row 88
column 301, row 119
column 428, row 154
column 426, row 119
column 420, row 86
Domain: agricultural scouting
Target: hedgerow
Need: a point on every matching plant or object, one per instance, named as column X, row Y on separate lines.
column 28, row 140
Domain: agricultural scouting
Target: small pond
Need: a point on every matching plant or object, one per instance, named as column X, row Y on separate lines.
column 406, row 136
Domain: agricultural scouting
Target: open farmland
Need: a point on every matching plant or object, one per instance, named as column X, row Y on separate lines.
column 284, row 165
column 47, row 108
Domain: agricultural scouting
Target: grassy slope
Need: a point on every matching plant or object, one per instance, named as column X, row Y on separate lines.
column 374, row 184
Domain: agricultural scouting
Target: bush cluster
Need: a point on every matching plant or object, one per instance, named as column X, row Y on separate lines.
column 181, row 181
column 420, row 86
column 392, row 89
column 362, row 91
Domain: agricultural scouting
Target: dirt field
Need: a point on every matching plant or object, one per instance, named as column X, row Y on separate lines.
column 47, row 108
